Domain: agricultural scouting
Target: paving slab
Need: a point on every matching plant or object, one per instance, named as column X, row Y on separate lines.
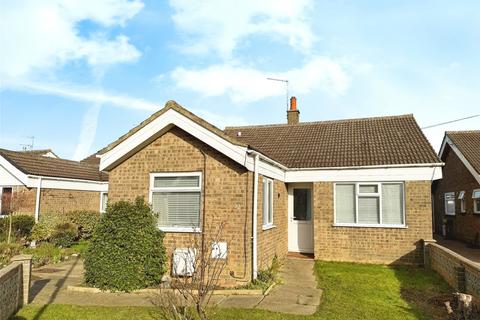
column 298, row 292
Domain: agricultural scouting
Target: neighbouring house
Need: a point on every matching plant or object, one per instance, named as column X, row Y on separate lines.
column 348, row 190
column 36, row 182
column 457, row 195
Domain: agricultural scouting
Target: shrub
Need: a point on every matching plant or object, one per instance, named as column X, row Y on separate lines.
column 85, row 220
column 126, row 251
column 45, row 253
column 7, row 251
column 21, row 226
column 46, row 226
column 64, row 235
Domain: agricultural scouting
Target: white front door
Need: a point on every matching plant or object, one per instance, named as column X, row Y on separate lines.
column 300, row 227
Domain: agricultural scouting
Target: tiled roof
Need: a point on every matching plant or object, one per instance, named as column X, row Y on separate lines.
column 391, row 140
column 468, row 142
column 31, row 163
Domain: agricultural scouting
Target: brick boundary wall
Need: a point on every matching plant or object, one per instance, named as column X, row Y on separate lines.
column 458, row 271
column 14, row 285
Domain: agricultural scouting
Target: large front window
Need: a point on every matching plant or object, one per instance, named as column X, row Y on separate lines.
column 176, row 199
column 369, row 204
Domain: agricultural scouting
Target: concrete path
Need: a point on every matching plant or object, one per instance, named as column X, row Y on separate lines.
column 296, row 295
column 461, row 248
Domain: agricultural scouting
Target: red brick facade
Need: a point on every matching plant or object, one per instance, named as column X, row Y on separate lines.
column 463, row 226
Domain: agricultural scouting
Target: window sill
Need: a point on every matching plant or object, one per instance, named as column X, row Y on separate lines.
column 450, row 214
column 180, row 229
column 268, row 227
column 356, row 225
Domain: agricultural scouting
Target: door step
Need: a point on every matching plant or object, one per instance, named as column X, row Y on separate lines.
column 300, row 255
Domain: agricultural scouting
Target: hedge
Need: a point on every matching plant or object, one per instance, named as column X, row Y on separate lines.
column 126, row 250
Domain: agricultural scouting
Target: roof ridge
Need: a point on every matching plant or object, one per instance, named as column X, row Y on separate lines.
column 462, row 131
column 408, row 115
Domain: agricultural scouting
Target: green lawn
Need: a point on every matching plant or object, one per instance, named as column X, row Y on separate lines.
column 350, row 291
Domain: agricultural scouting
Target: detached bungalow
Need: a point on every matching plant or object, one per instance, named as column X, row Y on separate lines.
column 36, row 182
column 347, row 190
column 457, row 195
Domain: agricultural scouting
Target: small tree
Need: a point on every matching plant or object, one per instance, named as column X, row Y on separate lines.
column 127, row 251
column 190, row 295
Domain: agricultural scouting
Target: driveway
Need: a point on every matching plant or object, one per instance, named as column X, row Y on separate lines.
column 461, row 248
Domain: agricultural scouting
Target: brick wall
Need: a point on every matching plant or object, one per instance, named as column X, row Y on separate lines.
column 14, row 285
column 373, row 245
column 458, row 272
column 54, row 200
column 273, row 242
column 228, row 193
column 463, row 226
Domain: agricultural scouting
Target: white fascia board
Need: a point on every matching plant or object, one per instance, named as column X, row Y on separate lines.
column 429, row 173
column 459, row 154
column 7, row 179
column 13, row 171
column 67, row 184
column 269, row 170
column 235, row 152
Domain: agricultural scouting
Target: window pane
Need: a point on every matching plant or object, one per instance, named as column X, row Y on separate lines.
column 104, row 201
column 368, row 210
column 302, row 204
column 371, row 188
column 461, row 195
column 450, row 206
column 177, row 182
column 177, row 209
column 345, row 203
column 476, row 194
column 477, row 205
column 392, row 203
column 265, row 201
column 270, row 204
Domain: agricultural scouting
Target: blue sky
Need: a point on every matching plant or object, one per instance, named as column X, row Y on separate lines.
column 78, row 74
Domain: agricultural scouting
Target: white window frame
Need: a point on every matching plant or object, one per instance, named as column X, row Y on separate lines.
column 475, row 200
column 461, row 197
column 452, row 194
column 270, row 213
column 102, row 195
column 154, row 189
column 376, row 194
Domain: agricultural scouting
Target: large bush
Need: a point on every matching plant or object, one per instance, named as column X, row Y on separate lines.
column 85, row 220
column 126, row 250
column 64, row 235
column 21, row 226
column 43, row 230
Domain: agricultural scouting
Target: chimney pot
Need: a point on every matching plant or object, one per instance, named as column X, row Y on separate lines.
column 293, row 115
column 293, row 103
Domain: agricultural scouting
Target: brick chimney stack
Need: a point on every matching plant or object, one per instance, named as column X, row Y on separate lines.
column 293, row 115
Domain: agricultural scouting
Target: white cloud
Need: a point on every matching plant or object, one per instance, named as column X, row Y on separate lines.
column 41, row 35
column 220, row 25
column 87, row 94
column 249, row 84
